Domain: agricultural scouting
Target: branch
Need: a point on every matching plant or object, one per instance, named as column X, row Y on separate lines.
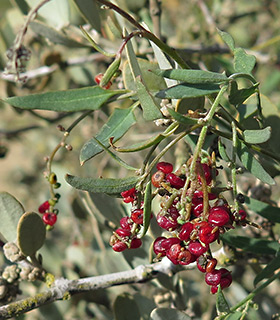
column 63, row 288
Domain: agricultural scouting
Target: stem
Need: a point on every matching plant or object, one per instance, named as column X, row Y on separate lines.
column 155, row 12
column 147, row 34
column 233, row 165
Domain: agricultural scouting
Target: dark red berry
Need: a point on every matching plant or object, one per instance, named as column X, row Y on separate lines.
column 137, row 216
column 201, row 263
column 175, row 181
column 173, row 253
column 165, row 167
column 197, row 210
column 44, row 207
column 169, row 220
column 185, row 231
column 126, row 223
column 167, row 243
column 207, row 234
column 157, row 246
column 119, row 246
column 185, row 257
column 123, row 233
column 226, row 279
column 242, row 215
column 218, row 216
column 129, row 193
column 214, row 289
column 49, row 218
column 157, row 179
column 197, row 249
column 213, row 278
column 135, row 243
column 128, row 199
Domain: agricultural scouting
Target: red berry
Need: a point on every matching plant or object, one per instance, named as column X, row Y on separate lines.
column 98, row 77
column 213, row 278
column 157, row 246
column 207, row 234
column 207, row 172
column 185, row 257
column 175, row 181
column 137, row 216
column 169, row 220
column 185, row 231
column 197, row 210
column 242, row 215
column 126, row 223
column 119, row 246
column 214, row 289
column 157, row 179
column 173, row 253
column 218, row 216
column 123, row 233
column 165, row 167
column 167, row 243
column 135, row 243
column 128, row 199
column 201, row 262
column 44, row 207
column 211, row 265
column 129, row 193
column 197, row 249
column 49, row 218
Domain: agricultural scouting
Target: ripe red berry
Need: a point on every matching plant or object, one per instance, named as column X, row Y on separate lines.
column 197, row 210
column 126, row 223
column 242, row 215
column 218, row 216
column 123, row 233
column 185, row 257
column 207, row 234
column 175, row 181
column 211, row 265
column 214, row 289
column 157, row 179
column 197, row 249
column 213, row 278
column 119, row 246
column 135, row 243
column 137, row 216
column 173, row 253
column 185, row 231
column 201, row 263
column 169, row 220
column 49, row 218
column 165, row 167
column 129, row 193
column 44, row 207
column 157, row 246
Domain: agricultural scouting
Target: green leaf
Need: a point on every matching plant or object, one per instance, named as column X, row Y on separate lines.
column 258, row 246
column 237, row 97
column 125, row 308
column 117, row 125
column 187, row 90
column 100, row 185
column 227, row 38
column 257, row 136
column 222, row 151
column 10, row 212
column 31, row 233
column 221, row 302
column 252, row 164
column 192, row 76
column 235, row 316
column 150, row 109
column 268, row 271
column 147, row 209
column 90, row 12
column 88, row 98
column 243, row 62
column 263, row 209
column 182, row 119
column 115, row 157
column 168, row 314
column 54, row 36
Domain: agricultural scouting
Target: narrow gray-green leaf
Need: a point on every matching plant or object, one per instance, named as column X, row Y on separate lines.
column 227, row 38
column 90, row 12
column 117, row 125
column 168, row 314
column 10, row 212
column 88, row 98
column 150, row 109
column 221, row 302
column 238, row 96
column 234, row 316
column 243, row 62
column 257, row 246
column 265, row 210
column 192, row 76
column 147, row 209
column 182, row 119
column 54, row 36
column 222, row 151
column 187, row 90
column 252, row 164
column 268, row 271
column 115, row 157
column 100, row 185
column 257, row 136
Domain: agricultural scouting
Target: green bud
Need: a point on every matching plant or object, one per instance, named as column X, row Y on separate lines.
column 52, row 178
column 57, row 185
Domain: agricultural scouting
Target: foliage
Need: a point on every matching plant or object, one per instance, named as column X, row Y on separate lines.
column 131, row 105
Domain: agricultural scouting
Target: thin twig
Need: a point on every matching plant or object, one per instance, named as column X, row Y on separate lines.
column 155, row 12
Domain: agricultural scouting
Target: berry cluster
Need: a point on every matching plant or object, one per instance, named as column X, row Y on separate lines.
column 47, row 208
column 193, row 213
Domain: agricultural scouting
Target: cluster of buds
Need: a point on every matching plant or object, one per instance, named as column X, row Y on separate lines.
column 193, row 212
